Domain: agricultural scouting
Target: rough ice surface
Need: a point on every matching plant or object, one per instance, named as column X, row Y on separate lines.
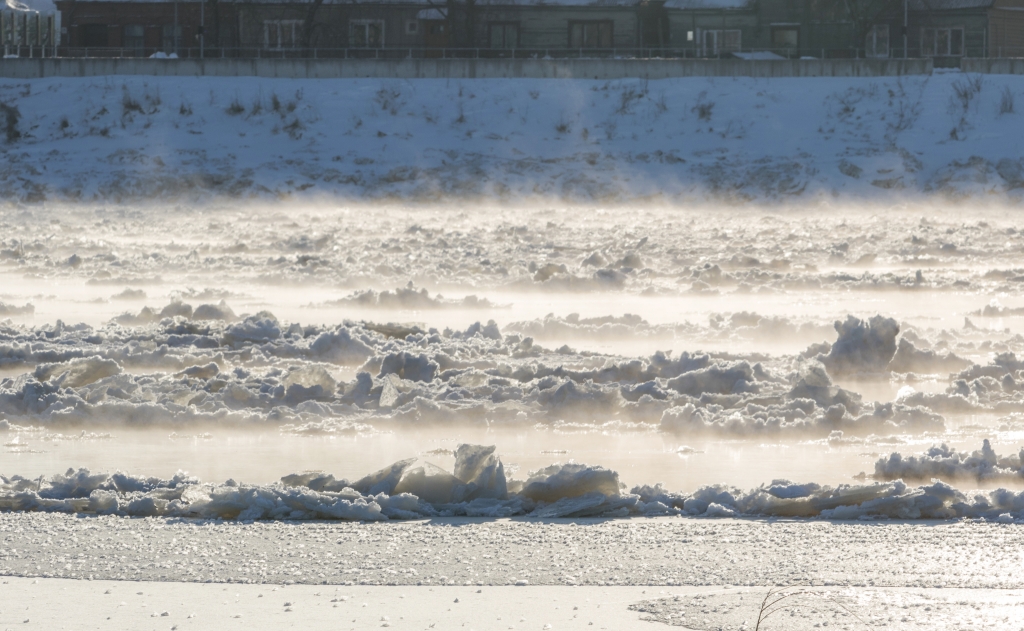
column 411, row 490
column 862, row 346
column 258, row 369
column 495, row 327
column 949, row 464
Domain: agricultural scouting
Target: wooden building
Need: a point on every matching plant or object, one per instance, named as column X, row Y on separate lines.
column 1006, row 28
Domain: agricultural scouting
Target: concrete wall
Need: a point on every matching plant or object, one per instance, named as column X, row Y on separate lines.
column 993, row 66
column 461, row 68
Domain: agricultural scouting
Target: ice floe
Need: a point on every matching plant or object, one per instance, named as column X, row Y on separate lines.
column 413, row 489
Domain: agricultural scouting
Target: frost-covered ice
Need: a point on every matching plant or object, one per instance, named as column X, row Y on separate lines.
column 457, row 551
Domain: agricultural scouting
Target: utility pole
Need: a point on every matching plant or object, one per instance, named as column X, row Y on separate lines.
column 202, row 28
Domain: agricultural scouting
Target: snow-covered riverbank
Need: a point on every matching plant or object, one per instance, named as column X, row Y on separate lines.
column 143, row 139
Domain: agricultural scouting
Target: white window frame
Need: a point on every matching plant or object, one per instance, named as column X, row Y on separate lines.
column 871, row 48
column 280, row 28
column 365, row 24
column 412, row 27
column 930, row 41
column 717, row 41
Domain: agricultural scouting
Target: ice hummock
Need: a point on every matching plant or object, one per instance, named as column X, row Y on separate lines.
column 413, row 490
column 254, row 369
column 946, row 463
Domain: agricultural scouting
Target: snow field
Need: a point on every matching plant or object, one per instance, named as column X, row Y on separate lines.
column 106, row 604
column 139, row 139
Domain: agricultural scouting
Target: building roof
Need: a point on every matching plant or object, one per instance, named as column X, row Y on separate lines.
column 42, row 6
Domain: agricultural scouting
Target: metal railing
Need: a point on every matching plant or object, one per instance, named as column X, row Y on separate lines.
column 34, row 51
column 487, row 53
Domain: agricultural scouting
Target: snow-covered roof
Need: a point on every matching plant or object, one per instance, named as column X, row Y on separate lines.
column 42, row 6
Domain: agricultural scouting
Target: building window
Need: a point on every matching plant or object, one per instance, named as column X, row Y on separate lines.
column 718, row 42
column 172, row 39
column 366, row 33
column 876, row 44
column 134, row 38
column 504, row 35
column 281, row 33
column 47, row 30
column 412, row 27
column 7, row 28
column 786, row 39
column 942, row 42
column 590, row 34
column 92, row 35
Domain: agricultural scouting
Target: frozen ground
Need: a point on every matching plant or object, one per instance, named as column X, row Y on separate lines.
column 708, row 575
column 139, row 139
column 588, row 552
column 117, row 605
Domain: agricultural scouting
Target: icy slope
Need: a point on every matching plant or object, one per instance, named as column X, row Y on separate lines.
column 168, row 138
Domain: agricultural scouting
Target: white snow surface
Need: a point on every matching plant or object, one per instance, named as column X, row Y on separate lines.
column 664, row 142
column 608, row 607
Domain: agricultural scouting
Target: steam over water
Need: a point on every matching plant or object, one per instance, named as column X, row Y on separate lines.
column 262, row 364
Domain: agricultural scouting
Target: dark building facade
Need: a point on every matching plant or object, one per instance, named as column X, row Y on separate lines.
column 943, row 29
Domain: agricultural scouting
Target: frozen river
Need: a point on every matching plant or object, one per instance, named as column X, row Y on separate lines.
column 759, row 351
column 553, row 412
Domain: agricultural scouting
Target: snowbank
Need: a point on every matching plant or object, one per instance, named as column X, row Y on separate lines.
column 677, row 141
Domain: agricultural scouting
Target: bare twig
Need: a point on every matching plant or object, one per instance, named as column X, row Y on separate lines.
column 770, row 604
